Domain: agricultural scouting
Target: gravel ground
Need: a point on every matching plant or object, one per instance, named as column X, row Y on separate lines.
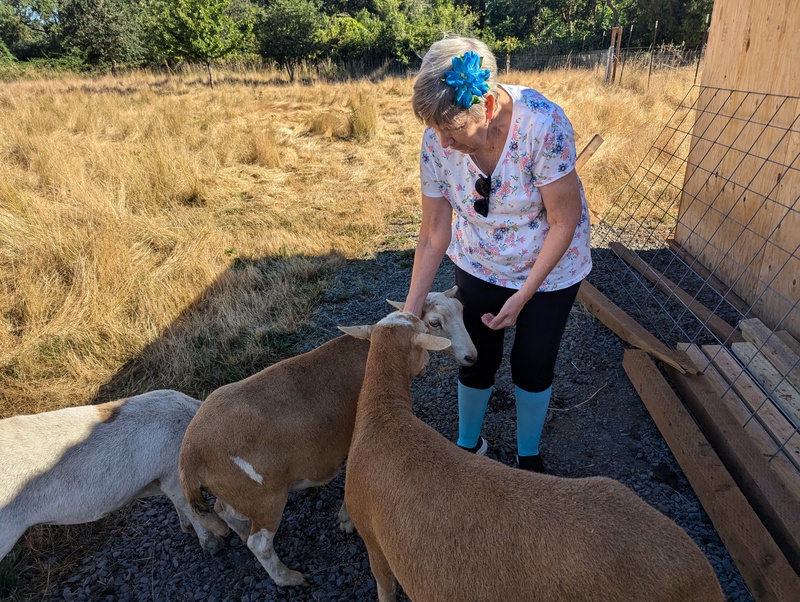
column 597, row 426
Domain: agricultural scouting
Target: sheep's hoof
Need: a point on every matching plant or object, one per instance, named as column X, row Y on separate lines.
column 214, row 545
column 291, row 578
column 347, row 526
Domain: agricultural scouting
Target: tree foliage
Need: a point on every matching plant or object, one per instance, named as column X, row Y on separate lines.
column 289, row 32
column 103, row 32
column 204, row 31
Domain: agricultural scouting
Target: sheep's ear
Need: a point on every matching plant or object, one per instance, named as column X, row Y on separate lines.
column 451, row 292
column 431, row 342
column 396, row 304
column 359, row 332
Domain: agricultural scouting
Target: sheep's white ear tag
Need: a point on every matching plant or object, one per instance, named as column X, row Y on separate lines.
column 431, row 342
column 451, row 292
column 359, row 332
column 396, row 304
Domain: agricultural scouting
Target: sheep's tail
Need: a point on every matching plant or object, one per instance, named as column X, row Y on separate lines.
column 193, row 492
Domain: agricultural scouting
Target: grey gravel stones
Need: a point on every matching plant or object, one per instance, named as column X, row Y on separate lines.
column 597, row 426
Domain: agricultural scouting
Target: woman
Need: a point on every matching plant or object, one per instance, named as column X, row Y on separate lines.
column 503, row 159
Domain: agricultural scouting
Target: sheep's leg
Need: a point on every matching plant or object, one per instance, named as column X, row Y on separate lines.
column 236, row 520
column 384, row 577
column 345, row 522
column 208, row 541
column 266, row 520
column 9, row 535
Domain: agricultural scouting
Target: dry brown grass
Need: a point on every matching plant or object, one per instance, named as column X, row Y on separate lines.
column 145, row 213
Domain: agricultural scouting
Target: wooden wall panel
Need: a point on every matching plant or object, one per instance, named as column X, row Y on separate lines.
column 740, row 214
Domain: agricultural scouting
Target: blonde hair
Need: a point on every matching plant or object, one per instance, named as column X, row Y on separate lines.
column 433, row 99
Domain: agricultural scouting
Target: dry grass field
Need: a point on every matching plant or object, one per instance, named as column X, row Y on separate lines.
column 153, row 212
column 156, row 233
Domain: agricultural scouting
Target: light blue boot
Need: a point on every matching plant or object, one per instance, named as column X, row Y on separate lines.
column 471, row 408
column 531, row 412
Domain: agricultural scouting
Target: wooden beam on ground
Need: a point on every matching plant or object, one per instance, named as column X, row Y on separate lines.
column 774, row 349
column 723, row 331
column 581, row 160
column 722, row 289
column 760, row 436
column 764, row 568
column 769, row 496
column 759, row 404
column 780, row 390
column 788, row 340
column 630, row 330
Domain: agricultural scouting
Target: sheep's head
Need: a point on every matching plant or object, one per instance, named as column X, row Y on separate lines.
column 421, row 342
column 443, row 316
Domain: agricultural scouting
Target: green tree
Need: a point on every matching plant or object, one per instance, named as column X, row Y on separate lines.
column 429, row 23
column 31, row 28
column 205, row 31
column 346, row 38
column 290, row 32
column 102, row 31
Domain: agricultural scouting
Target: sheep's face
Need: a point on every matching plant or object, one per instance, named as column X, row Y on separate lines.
column 443, row 315
column 421, row 341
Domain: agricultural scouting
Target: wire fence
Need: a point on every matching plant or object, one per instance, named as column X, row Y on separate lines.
column 703, row 244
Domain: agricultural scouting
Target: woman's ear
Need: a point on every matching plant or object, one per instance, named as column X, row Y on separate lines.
column 490, row 104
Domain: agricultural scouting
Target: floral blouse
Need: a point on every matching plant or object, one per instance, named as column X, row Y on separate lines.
column 502, row 247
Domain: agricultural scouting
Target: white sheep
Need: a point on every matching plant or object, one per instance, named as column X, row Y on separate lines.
column 78, row 464
column 450, row 525
column 286, row 428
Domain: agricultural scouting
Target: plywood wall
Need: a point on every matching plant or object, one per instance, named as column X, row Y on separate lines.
column 740, row 207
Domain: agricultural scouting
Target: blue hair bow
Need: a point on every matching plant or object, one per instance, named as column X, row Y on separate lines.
column 468, row 79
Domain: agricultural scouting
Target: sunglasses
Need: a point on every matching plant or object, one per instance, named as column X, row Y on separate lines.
column 483, row 186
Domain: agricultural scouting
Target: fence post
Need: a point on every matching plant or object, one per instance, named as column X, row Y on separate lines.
column 625, row 55
column 613, row 52
column 508, row 63
column 652, row 50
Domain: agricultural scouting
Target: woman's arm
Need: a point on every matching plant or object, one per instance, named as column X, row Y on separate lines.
column 562, row 200
column 434, row 238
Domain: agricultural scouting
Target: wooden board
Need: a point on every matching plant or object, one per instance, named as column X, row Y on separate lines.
column 629, row 329
column 789, row 341
column 780, row 390
column 756, row 401
column 773, row 348
column 720, row 287
column 724, row 332
column 765, row 569
column 769, row 496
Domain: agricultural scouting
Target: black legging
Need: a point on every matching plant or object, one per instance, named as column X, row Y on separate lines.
column 540, row 326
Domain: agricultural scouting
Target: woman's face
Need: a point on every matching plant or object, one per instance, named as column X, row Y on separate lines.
column 467, row 136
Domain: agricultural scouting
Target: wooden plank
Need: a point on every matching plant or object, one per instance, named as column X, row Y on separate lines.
column 761, row 439
column 629, row 329
column 773, row 348
column 708, row 276
column 780, row 390
column 756, row 401
column 788, row 340
column 764, row 568
column 723, row 331
column 768, row 495
column 587, row 152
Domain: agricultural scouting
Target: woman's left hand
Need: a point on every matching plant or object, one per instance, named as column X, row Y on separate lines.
column 508, row 313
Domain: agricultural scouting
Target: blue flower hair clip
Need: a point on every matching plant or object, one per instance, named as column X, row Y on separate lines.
column 468, row 79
